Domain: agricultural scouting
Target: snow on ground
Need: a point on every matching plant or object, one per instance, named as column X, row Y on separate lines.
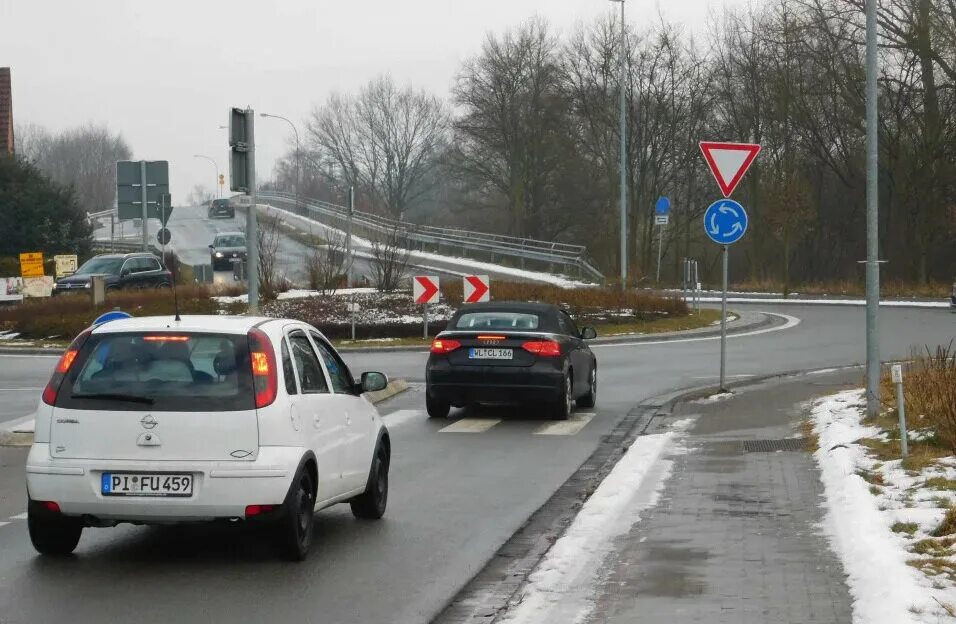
column 715, row 398
column 476, row 266
column 561, row 587
column 8, row 335
column 859, row 516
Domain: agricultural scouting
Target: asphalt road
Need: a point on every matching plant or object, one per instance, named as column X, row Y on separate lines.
column 456, row 497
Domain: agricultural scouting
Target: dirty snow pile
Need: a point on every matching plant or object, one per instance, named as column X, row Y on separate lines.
column 880, row 519
column 561, row 587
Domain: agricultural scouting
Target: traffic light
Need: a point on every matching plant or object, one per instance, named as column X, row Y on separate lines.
column 240, row 143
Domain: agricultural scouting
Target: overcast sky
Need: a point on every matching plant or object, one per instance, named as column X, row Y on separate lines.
column 164, row 73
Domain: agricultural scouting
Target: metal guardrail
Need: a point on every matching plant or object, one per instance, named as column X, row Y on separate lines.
column 573, row 258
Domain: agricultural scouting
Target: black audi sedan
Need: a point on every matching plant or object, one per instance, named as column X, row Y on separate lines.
column 511, row 353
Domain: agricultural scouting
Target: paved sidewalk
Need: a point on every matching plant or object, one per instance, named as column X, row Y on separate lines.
column 734, row 537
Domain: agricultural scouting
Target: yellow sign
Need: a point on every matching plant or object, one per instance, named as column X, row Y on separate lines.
column 31, row 264
column 222, row 179
column 65, row 265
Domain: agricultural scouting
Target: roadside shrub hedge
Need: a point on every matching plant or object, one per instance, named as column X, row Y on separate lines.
column 64, row 316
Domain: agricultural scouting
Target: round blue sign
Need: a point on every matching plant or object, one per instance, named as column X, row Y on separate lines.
column 115, row 315
column 663, row 206
column 725, row 222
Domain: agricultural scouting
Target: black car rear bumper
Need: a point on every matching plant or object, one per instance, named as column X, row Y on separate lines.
column 461, row 385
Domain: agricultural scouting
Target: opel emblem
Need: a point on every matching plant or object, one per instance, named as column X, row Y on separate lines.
column 148, row 421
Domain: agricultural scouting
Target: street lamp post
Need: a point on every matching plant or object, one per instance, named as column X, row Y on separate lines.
column 298, row 150
column 623, row 158
column 214, row 164
column 872, row 218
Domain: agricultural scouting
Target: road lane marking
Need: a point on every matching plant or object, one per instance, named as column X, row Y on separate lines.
column 471, row 425
column 3, row 524
column 569, row 427
column 791, row 322
column 20, row 389
column 401, row 417
column 22, row 516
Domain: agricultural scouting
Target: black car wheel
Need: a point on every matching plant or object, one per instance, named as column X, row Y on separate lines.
column 436, row 408
column 590, row 399
column 561, row 410
column 53, row 535
column 370, row 505
column 294, row 529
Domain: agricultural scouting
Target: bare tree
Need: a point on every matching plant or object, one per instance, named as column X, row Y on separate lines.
column 83, row 157
column 386, row 140
column 271, row 283
column 327, row 263
column 389, row 259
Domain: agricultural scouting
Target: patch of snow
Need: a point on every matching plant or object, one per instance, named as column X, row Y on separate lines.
column 884, row 589
column 715, row 398
column 559, row 589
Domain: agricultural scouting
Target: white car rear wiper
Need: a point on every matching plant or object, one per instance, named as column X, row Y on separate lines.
column 112, row 396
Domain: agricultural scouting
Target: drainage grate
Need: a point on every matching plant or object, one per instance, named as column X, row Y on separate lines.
column 772, row 446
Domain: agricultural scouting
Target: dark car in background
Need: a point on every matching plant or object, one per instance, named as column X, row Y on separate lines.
column 221, row 208
column 511, row 353
column 226, row 249
column 133, row 270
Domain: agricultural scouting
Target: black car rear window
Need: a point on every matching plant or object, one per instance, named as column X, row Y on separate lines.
column 498, row 320
column 165, row 372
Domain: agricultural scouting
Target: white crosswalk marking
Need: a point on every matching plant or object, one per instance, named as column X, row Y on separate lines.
column 471, row 425
column 568, row 427
column 22, row 516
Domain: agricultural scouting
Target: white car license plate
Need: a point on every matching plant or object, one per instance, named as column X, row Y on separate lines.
column 490, row 354
column 146, row 484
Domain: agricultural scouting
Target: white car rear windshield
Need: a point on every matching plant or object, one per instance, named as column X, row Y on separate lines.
column 497, row 320
column 183, row 372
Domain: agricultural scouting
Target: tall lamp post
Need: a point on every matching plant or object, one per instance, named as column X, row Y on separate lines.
column 872, row 218
column 623, row 158
column 214, row 164
column 298, row 150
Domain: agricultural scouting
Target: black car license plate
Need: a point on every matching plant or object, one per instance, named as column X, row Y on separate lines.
column 485, row 353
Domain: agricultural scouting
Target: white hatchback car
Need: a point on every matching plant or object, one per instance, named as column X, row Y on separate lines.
column 154, row 421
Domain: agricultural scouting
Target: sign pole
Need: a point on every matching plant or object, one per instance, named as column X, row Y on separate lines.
column 426, row 321
column 723, row 323
column 162, row 218
column 872, row 216
column 142, row 186
column 660, row 245
column 252, row 223
column 348, row 239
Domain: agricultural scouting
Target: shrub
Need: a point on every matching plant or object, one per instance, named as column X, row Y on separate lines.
column 65, row 316
column 929, row 389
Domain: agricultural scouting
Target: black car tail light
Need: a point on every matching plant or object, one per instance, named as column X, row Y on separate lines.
column 442, row 346
column 543, row 348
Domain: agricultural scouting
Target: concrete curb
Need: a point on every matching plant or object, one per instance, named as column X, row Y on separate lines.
column 394, row 388
column 16, row 439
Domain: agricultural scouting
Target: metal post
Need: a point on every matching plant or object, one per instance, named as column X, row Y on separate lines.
column 353, row 324
column 143, row 195
column 348, row 239
column 660, row 248
column 723, row 323
column 112, row 232
column 162, row 219
column 901, row 408
column 623, row 163
column 872, row 219
column 252, row 224
column 426, row 321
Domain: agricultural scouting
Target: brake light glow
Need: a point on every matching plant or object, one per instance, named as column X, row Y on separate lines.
column 166, row 338
column 63, row 367
column 50, row 506
column 66, row 361
column 441, row 346
column 256, row 510
column 265, row 377
column 543, row 348
column 491, row 337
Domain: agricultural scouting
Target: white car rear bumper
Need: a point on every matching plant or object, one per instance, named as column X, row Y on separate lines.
column 220, row 490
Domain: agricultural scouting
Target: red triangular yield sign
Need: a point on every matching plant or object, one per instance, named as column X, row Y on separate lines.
column 729, row 162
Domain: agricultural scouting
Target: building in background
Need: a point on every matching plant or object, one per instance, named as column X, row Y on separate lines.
column 6, row 112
